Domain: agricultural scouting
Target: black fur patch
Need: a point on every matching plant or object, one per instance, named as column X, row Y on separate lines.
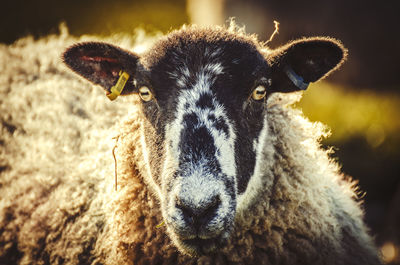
column 196, row 144
column 212, row 117
column 205, row 101
column 221, row 125
column 191, row 120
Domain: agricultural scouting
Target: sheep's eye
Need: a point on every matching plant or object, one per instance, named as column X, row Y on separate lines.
column 145, row 93
column 259, row 92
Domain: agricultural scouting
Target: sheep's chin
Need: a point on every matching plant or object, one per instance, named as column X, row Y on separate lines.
column 198, row 247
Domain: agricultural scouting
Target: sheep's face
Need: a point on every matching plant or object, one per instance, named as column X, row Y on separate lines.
column 201, row 132
column 204, row 118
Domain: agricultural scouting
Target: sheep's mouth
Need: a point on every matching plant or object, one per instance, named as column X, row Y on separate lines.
column 198, row 246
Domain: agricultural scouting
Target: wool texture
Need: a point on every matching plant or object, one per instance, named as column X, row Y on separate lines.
column 58, row 202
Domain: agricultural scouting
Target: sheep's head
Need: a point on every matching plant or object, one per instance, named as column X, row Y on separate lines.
column 203, row 101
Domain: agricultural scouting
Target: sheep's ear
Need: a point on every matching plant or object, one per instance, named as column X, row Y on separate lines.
column 102, row 64
column 303, row 61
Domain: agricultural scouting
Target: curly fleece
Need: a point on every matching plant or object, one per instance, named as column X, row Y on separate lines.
column 59, row 206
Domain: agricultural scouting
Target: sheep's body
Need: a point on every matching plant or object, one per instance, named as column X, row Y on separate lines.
column 58, row 203
column 54, row 147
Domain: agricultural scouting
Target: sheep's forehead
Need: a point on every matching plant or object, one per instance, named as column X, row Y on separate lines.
column 193, row 42
column 180, row 65
column 202, row 69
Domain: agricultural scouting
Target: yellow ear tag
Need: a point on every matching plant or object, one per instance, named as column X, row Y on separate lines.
column 119, row 86
column 160, row 224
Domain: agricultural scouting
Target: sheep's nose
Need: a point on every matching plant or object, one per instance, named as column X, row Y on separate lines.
column 198, row 216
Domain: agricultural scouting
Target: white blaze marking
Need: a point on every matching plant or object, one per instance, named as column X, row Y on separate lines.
column 187, row 100
column 187, row 104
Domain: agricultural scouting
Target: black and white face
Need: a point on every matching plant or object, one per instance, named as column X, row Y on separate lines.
column 204, row 118
column 201, row 132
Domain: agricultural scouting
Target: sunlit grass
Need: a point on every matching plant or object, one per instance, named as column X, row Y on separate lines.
column 353, row 113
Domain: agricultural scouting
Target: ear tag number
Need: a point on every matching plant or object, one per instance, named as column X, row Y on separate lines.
column 119, row 86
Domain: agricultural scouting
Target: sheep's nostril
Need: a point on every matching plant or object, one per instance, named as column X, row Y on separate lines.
column 199, row 215
column 210, row 209
column 187, row 211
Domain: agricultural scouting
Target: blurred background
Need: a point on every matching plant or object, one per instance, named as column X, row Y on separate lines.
column 360, row 103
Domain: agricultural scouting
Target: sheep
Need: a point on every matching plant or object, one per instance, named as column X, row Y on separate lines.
column 213, row 165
